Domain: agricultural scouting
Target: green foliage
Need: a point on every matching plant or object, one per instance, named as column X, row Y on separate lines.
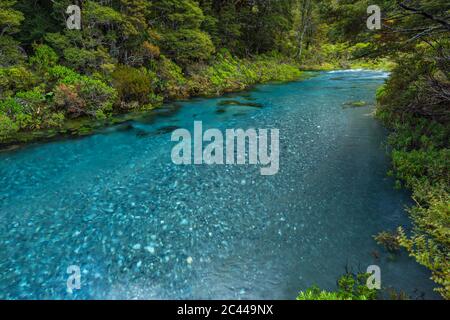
column 44, row 58
column 227, row 73
column 85, row 60
column 97, row 14
column 10, row 107
column 182, row 39
column 63, row 74
column 24, row 103
column 315, row 293
column 10, row 19
column 172, row 82
column 14, row 79
column 166, row 45
column 134, row 85
column 429, row 252
column 187, row 45
column 132, row 53
column 389, row 240
column 275, row 69
column 27, row 110
column 37, row 22
column 421, row 165
column 420, row 158
column 84, row 96
column 350, row 287
column 414, row 105
column 77, row 95
column 7, row 127
column 224, row 74
column 31, row 99
column 10, row 53
column 245, row 27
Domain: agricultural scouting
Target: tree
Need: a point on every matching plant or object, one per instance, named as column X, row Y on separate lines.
column 179, row 23
column 10, row 21
column 95, row 46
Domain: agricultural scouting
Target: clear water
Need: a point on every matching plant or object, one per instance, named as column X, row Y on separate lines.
column 115, row 205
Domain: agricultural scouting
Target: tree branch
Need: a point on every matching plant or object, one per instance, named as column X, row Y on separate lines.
column 424, row 14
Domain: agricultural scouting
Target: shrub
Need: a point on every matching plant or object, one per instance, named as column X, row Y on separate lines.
column 185, row 46
column 14, row 79
column 172, row 82
column 134, row 85
column 151, row 50
column 84, row 96
column 63, row 74
column 10, row 107
column 67, row 98
column 315, row 293
column 86, row 60
column 7, row 126
column 350, row 287
column 10, row 52
column 80, row 59
column 44, row 57
column 227, row 73
column 31, row 100
column 419, row 165
column 389, row 240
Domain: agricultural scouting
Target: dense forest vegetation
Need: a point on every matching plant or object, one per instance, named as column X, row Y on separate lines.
column 132, row 55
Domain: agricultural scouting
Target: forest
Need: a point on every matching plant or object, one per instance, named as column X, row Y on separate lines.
column 132, row 56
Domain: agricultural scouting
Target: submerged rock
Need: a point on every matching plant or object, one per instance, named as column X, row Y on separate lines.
column 355, row 104
column 239, row 103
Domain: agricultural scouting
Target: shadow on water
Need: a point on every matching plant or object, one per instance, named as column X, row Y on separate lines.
column 239, row 103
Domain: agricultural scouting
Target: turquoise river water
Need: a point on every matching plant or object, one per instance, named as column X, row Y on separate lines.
column 140, row 227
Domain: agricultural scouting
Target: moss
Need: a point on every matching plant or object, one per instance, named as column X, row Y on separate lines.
column 239, row 103
column 355, row 104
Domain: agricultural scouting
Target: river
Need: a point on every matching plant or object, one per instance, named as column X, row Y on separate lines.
column 140, row 227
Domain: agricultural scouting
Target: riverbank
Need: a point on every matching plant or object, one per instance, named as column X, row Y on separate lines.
column 65, row 103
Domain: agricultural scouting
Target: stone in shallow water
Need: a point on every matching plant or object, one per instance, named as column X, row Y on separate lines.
column 150, row 249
